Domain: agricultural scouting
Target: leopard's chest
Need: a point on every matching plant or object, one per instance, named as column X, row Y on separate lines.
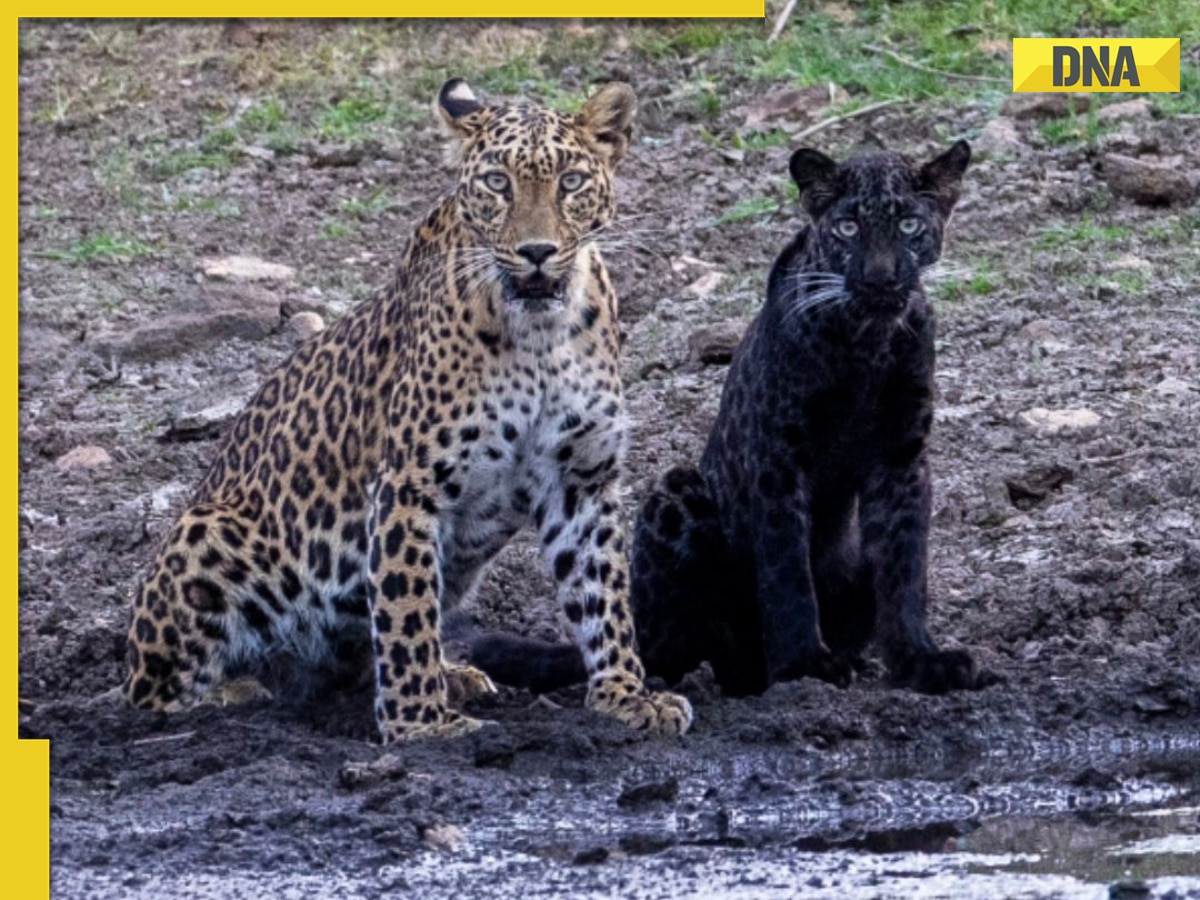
column 542, row 421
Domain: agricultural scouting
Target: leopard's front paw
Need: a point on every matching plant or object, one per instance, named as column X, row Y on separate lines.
column 448, row 724
column 626, row 699
column 464, row 683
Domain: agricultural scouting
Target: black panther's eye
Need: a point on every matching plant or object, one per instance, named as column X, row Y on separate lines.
column 911, row 225
column 496, row 181
column 571, row 181
column 845, row 228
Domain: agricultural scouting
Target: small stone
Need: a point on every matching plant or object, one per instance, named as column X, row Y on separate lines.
column 1056, row 421
column 449, row 838
column 356, row 774
column 645, row 843
column 705, row 284
column 88, row 456
column 1150, row 182
column 591, row 856
column 641, row 795
column 998, row 139
column 1173, row 387
column 802, row 103
column 205, row 422
column 1044, row 106
column 304, row 325
column 1128, row 889
column 1131, row 263
column 246, row 268
column 713, row 345
column 1129, row 109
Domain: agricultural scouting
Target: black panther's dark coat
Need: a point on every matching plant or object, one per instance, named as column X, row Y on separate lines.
column 802, row 536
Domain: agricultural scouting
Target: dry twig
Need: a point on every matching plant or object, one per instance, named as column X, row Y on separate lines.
column 861, row 111
column 913, row 64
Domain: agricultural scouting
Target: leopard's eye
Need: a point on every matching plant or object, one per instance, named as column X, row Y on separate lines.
column 496, row 181
column 571, row 181
column 911, row 225
column 845, row 228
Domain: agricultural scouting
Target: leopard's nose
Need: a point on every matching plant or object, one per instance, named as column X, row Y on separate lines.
column 537, row 253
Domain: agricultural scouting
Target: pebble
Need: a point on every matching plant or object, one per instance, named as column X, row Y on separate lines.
column 1145, row 180
column 304, row 325
column 88, row 456
column 246, row 268
column 1056, row 421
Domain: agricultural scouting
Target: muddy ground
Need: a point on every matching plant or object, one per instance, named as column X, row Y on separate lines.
column 1065, row 554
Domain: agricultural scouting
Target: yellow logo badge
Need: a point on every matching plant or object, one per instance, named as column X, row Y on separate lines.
column 1106, row 65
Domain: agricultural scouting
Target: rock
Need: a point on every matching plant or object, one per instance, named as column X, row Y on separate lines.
column 220, row 313
column 713, row 345
column 246, row 268
column 443, row 837
column 1044, row 106
column 1030, row 488
column 40, row 348
column 639, row 796
column 999, row 138
column 1151, row 182
column 333, row 156
column 88, row 456
column 206, row 422
column 162, row 499
column 304, row 325
column 1048, row 335
column 1128, row 109
column 645, row 843
column 681, row 265
column 1173, row 387
column 1056, row 421
column 591, row 856
column 1131, row 263
column 355, row 774
column 705, row 284
column 791, row 104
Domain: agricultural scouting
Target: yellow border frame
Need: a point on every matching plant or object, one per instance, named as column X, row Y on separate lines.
column 25, row 765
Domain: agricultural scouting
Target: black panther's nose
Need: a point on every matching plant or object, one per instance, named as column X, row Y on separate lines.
column 537, row 253
column 879, row 271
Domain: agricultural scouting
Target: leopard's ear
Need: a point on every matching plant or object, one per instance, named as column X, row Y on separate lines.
column 456, row 107
column 813, row 173
column 941, row 177
column 607, row 120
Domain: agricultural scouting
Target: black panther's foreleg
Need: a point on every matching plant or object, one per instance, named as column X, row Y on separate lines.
column 894, row 515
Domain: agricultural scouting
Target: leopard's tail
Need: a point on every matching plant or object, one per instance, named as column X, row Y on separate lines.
column 539, row 666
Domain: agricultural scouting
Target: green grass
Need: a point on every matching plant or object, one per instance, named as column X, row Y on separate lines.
column 176, row 162
column 349, row 118
column 101, row 246
column 1087, row 232
column 817, row 48
column 756, row 208
column 265, row 116
column 368, row 205
column 335, row 231
column 762, row 140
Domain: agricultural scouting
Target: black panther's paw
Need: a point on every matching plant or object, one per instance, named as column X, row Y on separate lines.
column 936, row 672
column 822, row 664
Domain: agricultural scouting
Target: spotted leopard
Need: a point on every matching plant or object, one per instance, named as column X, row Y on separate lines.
column 373, row 476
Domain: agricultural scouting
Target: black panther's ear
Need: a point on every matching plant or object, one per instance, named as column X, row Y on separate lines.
column 813, row 173
column 456, row 103
column 941, row 177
